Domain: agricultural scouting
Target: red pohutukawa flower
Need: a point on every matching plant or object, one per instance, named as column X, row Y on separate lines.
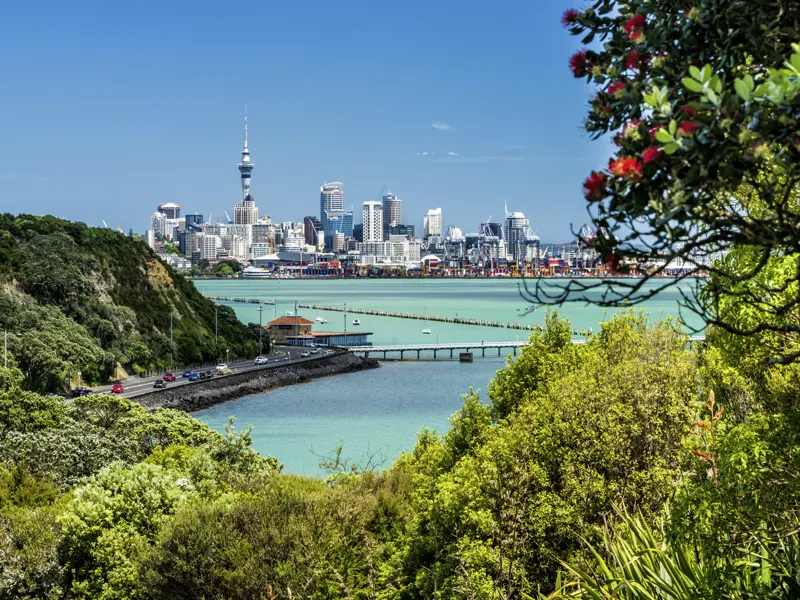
column 626, row 167
column 595, row 186
column 690, row 112
column 615, row 87
column 634, row 61
column 633, row 27
column 651, row 154
column 578, row 63
column 688, row 128
column 570, row 17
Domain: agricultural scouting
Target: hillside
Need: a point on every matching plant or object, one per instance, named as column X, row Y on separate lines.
column 79, row 298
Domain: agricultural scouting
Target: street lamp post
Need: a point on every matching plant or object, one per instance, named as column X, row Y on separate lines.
column 227, row 350
column 260, row 328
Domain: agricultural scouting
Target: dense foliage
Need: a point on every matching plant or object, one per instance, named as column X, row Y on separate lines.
column 703, row 102
column 75, row 299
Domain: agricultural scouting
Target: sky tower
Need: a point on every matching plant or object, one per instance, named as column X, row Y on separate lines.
column 245, row 167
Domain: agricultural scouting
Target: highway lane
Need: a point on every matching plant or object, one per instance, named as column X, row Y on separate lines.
column 283, row 355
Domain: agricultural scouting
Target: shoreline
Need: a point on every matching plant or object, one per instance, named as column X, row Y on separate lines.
column 192, row 398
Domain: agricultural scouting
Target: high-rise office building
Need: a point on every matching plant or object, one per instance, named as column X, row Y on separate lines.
column 246, row 211
column 311, row 228
column 358, row 232
column 170, row 210
column 194, row 222
column 158, row 223
column 392, row 209
column 433, row 223
column 372, row 218
column 331, row 198
column 407, row 231
column 518, row 237
column 337, row 220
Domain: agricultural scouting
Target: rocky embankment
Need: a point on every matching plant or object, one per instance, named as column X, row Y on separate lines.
column 203, row 394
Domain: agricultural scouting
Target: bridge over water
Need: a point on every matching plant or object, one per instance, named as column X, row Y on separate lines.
column 451, row 347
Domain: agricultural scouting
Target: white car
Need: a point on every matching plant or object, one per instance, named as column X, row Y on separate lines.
column 260, row 360
column 306, row 353
column 222, row 367
column 315, row 351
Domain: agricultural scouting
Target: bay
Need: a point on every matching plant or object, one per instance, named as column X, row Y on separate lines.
column 377, row 414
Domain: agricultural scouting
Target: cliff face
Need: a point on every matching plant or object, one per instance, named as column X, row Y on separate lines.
column 203, row 394
column 112, row 294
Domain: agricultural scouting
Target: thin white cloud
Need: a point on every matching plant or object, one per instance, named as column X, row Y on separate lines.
column 453, row 154
column 423, row 153
column 442, row 127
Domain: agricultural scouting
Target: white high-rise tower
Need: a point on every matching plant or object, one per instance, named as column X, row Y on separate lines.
column 246, row 211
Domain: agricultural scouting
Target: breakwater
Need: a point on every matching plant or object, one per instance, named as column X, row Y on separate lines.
column 440, row 319
column 242, row 300
column 202, row 394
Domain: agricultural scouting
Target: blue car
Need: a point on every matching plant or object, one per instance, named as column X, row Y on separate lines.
column 194, row 376
column 187, row 373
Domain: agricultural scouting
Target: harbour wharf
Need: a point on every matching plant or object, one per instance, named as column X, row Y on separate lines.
column 451, row 347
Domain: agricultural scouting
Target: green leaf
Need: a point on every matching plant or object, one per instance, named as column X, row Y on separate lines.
column 716, row 84
column 663, row 136
column 673, row 127
column 742, row 90
column 672, row 147
column 795, row 62
column 693, row 85
column 706, row 73
column 695, row 73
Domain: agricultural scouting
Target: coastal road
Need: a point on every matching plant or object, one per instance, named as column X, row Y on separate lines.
column 281, row 356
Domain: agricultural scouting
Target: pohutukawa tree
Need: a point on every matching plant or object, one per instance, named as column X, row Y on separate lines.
column 702, row 98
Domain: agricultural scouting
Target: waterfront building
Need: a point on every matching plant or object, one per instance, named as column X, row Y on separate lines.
column 432, row 223
column 358, row 232
column 283, row 327
column 338, row 241
column 170, row 210
column 326, row 338
column 258, row 250
column 372, row 220
column 331, row 199
column 520, row 240
column 311, row 228
column 149, row 235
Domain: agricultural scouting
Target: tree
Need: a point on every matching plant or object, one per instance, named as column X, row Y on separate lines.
column 703, row 105
column 571, row 431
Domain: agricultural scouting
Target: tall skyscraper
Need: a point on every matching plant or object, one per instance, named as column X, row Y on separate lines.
column 246, row 211
column 372, row 218
column 337, row 221
column 158, row 223
column 392, row 209
column 432, row 223
column 331, row 198
column 518, row 236
column 170, row 210
column 311, row 227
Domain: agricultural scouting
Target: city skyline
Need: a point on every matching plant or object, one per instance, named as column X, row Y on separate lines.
column 456, row 119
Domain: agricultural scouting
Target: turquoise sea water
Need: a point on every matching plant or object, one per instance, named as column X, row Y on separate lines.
column 379, row 412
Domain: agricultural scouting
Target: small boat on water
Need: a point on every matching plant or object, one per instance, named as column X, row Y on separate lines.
column 426, row 331
column 356, row 322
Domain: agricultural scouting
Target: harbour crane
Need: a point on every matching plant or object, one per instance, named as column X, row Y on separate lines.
column 228, row 217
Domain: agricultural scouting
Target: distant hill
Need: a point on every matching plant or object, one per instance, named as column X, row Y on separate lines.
column 95, row 300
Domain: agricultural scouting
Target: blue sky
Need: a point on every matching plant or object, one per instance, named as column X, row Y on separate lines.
column 108, row 110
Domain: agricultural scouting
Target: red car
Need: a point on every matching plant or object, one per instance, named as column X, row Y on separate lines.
column 168, row 377
column 117, row 388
